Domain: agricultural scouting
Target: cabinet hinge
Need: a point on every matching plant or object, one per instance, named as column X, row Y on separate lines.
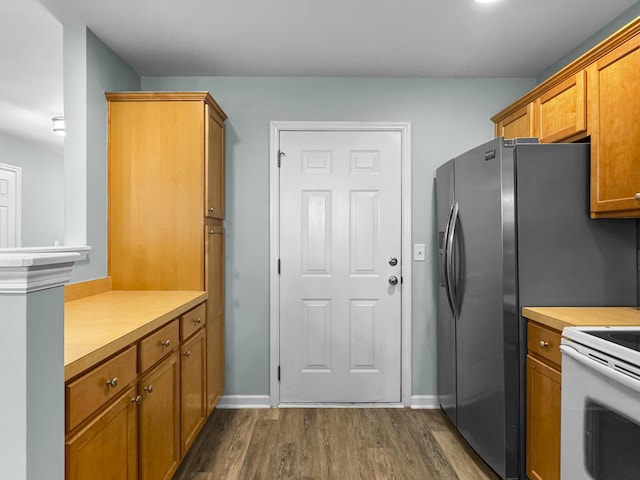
column 278, row 266
column 280, row 155
column 278, row 372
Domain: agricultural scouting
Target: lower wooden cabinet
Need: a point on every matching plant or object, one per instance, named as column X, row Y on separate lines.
column 159, row 420
column 543, row 402
column 543, row 421
column 136, row 414
column 214, row 240
column 192, row 388
column 107, row 446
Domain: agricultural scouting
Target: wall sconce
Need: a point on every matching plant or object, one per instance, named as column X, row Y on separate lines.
column 58, row 125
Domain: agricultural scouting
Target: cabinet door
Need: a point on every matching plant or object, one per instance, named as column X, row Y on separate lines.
column 543, row 421
column 159, row 420
column 614, row 123
column 518, row 124
column 107, row 447
column 214, row 165
column 215, row 315
column 156, row 152
column 192, row 388
column 561, row 113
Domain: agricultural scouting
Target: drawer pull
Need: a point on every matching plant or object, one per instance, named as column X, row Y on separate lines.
column 136, row 399
column 187, row 354
column 212, row 232
column 165, row 343
column 543, row 344
column 113, row 382
column 197, row 321
column 638, row 197
column 210, row 209
column 149, row 389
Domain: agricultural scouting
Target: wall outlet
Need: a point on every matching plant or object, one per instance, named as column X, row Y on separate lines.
column 418, row 252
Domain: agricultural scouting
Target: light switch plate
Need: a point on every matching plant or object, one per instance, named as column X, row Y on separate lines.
column 418, row 252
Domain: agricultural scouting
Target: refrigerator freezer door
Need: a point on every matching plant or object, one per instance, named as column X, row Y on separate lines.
column 445, row 327
column 479, row 287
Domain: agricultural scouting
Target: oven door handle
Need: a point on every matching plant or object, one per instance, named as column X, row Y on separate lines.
column 604, row 370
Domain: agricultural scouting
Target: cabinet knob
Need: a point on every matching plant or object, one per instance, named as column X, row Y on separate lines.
column 187, row 354
column 638, row 197
column 543, row 344
column 112, row 382
column 197, row 321
column 210, row 209
column 136, row 399
column 165, row 343
column 149, row 389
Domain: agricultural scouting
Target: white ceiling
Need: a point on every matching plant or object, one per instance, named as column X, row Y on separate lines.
column 288, row 38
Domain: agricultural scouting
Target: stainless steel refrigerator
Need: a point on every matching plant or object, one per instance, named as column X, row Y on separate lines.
column 514, row 230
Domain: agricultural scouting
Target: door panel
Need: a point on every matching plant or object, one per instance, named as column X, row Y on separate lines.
column 340, row 223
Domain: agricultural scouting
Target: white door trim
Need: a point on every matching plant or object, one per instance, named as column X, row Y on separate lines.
column 274, row 241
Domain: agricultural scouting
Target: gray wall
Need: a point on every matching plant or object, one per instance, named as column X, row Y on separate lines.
column 42, row 188
column 90, row 69
column 447, row 117
column 596, row 38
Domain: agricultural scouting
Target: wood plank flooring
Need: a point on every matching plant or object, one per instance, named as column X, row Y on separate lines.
column 331, row 443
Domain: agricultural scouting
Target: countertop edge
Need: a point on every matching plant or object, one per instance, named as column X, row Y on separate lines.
column 100, row 354
column 558, row 318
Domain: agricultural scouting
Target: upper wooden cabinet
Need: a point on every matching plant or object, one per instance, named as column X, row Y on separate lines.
column 614, row 120
column 214, row 166
column 596, row 97
column 166, row 179
column 560, row 114
column 516, row 124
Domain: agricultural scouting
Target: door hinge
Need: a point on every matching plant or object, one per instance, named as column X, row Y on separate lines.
column 278, row 372
column 278, row 266
column 280, row 155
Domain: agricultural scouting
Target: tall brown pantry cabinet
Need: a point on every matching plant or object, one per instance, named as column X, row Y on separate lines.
column 166, row 204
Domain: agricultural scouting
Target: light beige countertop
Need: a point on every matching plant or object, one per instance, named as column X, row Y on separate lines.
column 98, row 326
column 560, row 317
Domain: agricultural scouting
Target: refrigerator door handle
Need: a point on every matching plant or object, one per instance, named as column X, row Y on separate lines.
column 449, row 260
column 445, row 278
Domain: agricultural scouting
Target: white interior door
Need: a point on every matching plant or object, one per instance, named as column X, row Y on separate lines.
column 9, row 206
column 340, row 228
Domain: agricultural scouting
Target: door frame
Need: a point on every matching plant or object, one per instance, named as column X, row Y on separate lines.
column 17, row 171
column 274, row 244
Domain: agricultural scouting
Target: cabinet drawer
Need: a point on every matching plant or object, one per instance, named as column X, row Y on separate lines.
column 98, row 386
column 192, row 321
column 158, row 344
column 544, row 342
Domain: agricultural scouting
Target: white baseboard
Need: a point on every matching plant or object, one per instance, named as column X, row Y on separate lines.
column 263, row 401
column 424, row 401
column 244, row 401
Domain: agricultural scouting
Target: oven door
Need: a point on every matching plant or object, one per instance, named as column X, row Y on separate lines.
column 600, row 436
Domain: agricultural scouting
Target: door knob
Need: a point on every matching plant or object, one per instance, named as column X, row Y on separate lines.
column 393, row 261
column 393, row 280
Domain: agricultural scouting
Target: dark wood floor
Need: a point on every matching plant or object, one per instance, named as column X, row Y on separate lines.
column 330, row 443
